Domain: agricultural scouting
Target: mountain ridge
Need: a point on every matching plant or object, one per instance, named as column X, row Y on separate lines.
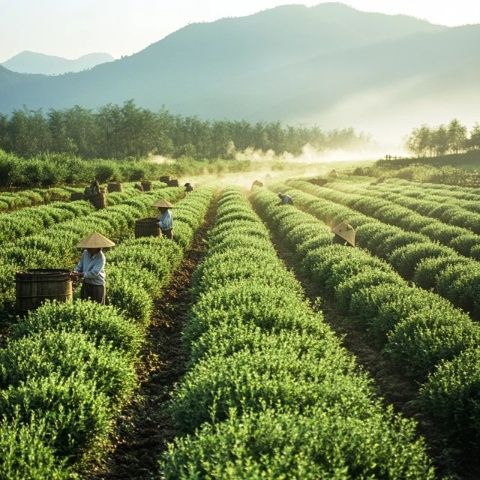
column 290, row 62
column 29, row 62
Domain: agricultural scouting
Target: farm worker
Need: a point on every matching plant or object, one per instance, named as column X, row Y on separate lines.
column 95, row 186
column 188, row 187
column 256, row 183
column 165, row 219
column 91, row 267
column 285, row 199
column 344, row 234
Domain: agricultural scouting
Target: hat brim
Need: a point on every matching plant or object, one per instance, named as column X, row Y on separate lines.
column 345, row 231
column 95, row 240
column 163, row 204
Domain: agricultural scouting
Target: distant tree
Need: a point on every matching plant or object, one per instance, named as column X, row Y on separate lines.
column 221, row 135
column 82, row 131
column 474, row 141
column 3, row 132
column 420, row 141
column 108, row 122
column 59, row 140
column 187, row 150
column 137, row 131
column 457, row 136
column 439, row 140
column 121, row 131
column 28, row 133
column 163, row 133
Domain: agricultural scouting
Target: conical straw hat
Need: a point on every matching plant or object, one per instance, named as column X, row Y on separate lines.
column 161, row 203
column 95, row 240
column 345, row 231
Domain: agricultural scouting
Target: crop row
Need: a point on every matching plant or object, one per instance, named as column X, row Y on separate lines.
column 426, row 197
column 29, row 221
column 35, row 219
column 455, row 212
column 419, row 332
column 28, row 198
column 69, row 368
column 460, row 213
column 422, row 190
column 414, row 256
column 54, row 247
column 419, row 220
column 270, row 392
column 451, row 191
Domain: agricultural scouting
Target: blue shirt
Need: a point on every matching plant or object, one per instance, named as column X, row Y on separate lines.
column 92, row 267
column 166, row 220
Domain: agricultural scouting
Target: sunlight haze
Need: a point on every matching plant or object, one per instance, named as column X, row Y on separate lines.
column 122, row 27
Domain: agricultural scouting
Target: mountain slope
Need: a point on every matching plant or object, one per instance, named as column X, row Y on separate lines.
column 32, row 62
column 328, row 64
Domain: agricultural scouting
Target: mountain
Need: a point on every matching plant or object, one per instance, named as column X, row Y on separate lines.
column 32, row 62
column 330, row 64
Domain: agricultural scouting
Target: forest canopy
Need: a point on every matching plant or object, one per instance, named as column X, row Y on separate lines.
column 124, row 131
column 451, row 138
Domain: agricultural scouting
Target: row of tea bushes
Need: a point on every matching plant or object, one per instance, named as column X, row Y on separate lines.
column 29, row 198
column 469, row 196
column 445, row 220
column 69, row 368
column 431, row 204
column 270, row 393
column 140, row 267
column 29, row 221
column 429, row 264
column 55, row 247
column 448, row 229
column 421, row 333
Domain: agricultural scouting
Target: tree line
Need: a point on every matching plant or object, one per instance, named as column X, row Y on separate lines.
column 452, row 138
column 125, row 131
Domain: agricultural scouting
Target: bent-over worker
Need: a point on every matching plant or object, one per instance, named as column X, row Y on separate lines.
column 91, row 267
column 188, row 187
column 256, row 183
column 95, row 187
column 165, row 219
column 285, row 199
column 92, row 189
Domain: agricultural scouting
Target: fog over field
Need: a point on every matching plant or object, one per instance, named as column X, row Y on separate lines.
column 329, row 65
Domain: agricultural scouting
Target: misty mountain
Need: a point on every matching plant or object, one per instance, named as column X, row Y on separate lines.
column 33, row 62
column 328, row 64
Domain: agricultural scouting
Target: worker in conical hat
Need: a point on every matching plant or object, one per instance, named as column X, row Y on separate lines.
column 91, row 267
column 165, row 219
column 285, row 199
column 344, row 234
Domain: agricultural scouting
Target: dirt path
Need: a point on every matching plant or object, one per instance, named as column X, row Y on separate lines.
column 145, row 427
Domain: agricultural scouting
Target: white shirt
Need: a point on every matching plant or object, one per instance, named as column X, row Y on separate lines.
column 92, row 267
column 166, row 220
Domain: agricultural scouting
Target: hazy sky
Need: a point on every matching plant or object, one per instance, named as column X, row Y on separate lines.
column 71, row 28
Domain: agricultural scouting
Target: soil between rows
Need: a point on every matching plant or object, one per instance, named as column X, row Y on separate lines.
column 145, row 427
